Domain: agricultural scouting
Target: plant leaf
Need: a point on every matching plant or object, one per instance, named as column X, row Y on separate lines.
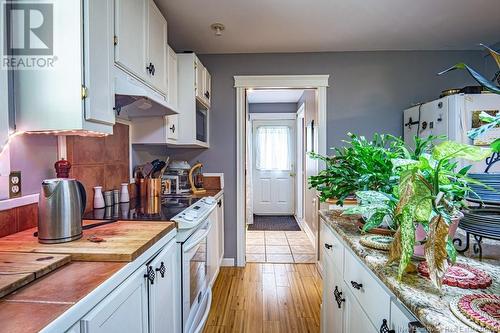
column 403, row 162
column 395, row 249
column 450, row 249
column 374, row 221
column 407, row 240
column 478, row 77
column 495, row 146
column 370, row 197
column 494, row 54
column 436, row 250
column 452, row 149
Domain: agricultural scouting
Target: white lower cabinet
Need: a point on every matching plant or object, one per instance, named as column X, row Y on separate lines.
column 355, row 300
column 149, row 300
column 355, row 319
column 124, row 310
column 164, row 291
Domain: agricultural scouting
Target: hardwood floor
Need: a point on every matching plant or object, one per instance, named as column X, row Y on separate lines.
column 265, row 297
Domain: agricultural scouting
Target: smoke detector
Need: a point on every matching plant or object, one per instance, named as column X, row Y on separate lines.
column 218, row 28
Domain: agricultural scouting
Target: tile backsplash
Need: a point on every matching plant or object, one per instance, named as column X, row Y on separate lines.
column 100, row 161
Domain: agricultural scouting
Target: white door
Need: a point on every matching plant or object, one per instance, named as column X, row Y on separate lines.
column 299, row 211
column 273, row 166
column 157, row 46
column 130, row 30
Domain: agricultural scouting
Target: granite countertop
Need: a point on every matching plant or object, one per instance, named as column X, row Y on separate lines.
column 427, row 303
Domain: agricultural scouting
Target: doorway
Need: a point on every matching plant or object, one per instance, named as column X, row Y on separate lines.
column 275, row 182
column 316, row 84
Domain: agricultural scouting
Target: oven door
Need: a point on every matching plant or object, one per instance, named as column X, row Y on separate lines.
column 195, row 276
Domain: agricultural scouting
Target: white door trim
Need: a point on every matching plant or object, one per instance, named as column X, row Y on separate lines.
column 271, row 116
column 242, row 83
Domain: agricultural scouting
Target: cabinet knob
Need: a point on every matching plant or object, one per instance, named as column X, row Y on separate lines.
column 153, row 71
column 219, row 203
column 356, row 285
column 207, row 94
column 338, row 297
column 384, row 328
column 162, row 269
column 328, row 246
column 150, row 68
column 172, row 128
column 150, row 275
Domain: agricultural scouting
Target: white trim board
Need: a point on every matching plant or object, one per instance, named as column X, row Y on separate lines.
column 272, row 116
column 242, row 83
column 227, row 262
column 281, row 81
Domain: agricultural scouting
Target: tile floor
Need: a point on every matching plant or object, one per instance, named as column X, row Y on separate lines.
column 279, row 247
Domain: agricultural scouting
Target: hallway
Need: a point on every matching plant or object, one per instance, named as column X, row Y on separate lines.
column 266, row 298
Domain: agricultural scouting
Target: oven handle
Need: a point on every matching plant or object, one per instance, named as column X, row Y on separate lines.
column 200, row 326
column 197, row 239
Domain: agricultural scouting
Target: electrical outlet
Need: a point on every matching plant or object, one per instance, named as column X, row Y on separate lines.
column 15, row 184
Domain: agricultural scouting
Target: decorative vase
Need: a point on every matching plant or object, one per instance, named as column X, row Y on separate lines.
column 98, row 198
column 124, row 196
column 421, row 235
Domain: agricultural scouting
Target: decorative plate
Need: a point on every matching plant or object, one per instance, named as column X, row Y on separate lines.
column 378, row 242
column 461, row 276
column 481, row 309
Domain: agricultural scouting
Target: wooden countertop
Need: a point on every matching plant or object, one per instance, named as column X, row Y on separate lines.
column 34, row 306
column 120, row 241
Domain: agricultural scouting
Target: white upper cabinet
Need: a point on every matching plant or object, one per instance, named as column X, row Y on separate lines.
column 203, row 84
column 172, row 71
column 130, row 36
column 157, row 48
column 141, row 42
column 76, row 94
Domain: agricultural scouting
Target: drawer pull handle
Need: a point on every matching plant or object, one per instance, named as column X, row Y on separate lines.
column 338, row 297
column 356, row 285
column 150, row 275
column 384, row 328
column 328, row 246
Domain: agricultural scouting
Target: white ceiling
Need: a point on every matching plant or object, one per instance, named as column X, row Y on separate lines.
column 274, row 95
column 254, row 26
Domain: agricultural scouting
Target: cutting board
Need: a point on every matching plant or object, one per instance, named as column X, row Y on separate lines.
column 19, row 269
column 122, row 241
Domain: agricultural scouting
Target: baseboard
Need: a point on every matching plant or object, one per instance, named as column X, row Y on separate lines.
column 309, row 233
column 227, row 262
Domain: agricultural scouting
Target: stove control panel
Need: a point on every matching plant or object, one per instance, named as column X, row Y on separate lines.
column 195, row 214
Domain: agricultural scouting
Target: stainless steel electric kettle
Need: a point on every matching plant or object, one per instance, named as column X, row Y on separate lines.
column 60, row 210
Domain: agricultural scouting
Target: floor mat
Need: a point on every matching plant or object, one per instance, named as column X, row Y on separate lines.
column 274, row 223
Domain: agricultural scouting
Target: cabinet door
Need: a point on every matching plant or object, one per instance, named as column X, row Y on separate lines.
column 172, row 72
column 165, row 291
column 199, row 82
column 220, row 227
column 172, row 127
column 355, row 320
column 331, row 312
column 124, row 310
column 157, row 48
column 130, row 32
column 98, row 61
column 208, row 87
column 212, row 249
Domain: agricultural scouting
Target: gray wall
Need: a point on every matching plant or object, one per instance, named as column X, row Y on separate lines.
column 272, row 107
column 367, row 93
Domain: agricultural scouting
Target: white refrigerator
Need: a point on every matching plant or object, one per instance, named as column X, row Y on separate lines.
column 452, row 116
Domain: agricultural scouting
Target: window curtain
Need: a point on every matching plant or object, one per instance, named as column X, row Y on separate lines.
column 273, row 148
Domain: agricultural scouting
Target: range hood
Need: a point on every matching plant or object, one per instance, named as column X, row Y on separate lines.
column 133, row 98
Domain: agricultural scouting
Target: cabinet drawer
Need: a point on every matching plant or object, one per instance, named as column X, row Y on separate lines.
column 331, row 246
column 374, row 300
column 402, row 319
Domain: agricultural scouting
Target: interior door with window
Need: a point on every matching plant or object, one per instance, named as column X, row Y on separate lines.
column 273, row 166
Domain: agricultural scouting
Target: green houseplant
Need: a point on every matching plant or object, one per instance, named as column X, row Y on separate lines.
column 360, row 165
column 431, row 193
